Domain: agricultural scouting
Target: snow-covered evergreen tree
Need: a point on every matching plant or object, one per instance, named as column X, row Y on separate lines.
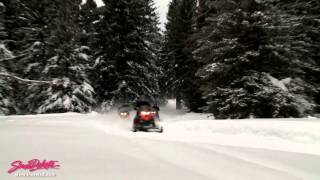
column 67, row 65
column 87, row 18
column 26, row 28
column 179, row 63
column 126, row 52
column 294, row 46
column 43, row 37
column 7, row 101
column 3, row 33
column 258, row 59
column 168, row 56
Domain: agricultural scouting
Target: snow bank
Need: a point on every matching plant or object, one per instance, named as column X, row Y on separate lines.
column 214, row 149
column 292, row 135
column 285, row 135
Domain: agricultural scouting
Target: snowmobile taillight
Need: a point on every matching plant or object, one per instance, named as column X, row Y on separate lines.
column 145, row 113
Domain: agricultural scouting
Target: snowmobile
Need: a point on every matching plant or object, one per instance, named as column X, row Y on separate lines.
column 147, row 120
column 124, row 115
column 124, row 112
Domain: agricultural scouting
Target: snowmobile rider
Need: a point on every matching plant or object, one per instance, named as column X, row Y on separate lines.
column 144, row 101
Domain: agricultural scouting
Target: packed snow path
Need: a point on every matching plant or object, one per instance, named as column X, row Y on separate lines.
column 192, row 147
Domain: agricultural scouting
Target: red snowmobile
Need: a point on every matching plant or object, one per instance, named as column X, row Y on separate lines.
column 147, row 119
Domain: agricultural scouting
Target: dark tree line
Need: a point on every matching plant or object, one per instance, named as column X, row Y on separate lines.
column 234, row 59
column 248, row 57
column 78, row 56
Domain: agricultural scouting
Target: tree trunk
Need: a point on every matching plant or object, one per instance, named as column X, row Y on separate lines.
column 202, row 6
column 178, row 102
column 201, row 10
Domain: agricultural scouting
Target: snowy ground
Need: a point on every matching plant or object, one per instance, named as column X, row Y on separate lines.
column 193, row 147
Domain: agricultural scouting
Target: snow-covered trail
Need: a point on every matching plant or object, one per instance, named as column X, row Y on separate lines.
column 102, row 147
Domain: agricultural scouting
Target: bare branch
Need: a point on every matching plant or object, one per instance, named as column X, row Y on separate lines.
column 28, row 81
column 16, row 57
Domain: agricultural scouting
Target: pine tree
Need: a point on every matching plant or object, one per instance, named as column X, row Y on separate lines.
column 7, row 101
column 168, row 44
column 127, row 52
column 179, row 58
column 68, row 64
column 294, row 46
column 64, row 62
column 60, row 45
column 88, row 17
column 244, row 48
column 26, row 26
column 3, row 33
